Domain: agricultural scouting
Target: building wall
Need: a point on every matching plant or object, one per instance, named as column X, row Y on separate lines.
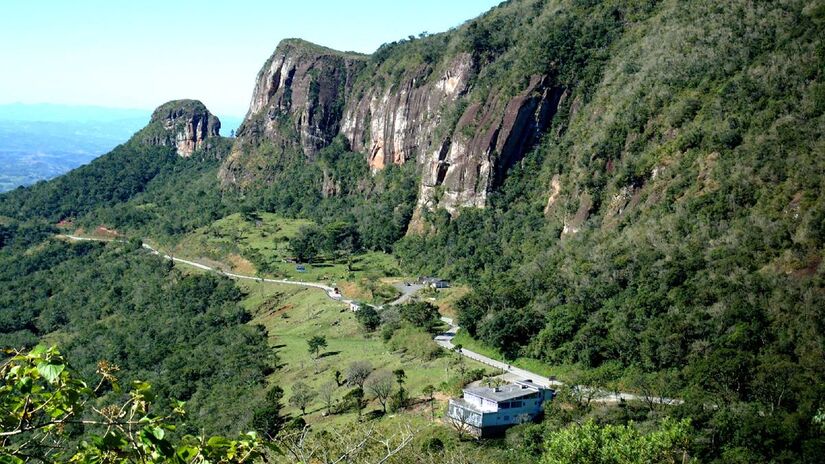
column 531, row 408
column 470, row 417
column 492, row 420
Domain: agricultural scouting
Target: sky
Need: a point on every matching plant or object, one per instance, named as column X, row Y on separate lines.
column 142, row 53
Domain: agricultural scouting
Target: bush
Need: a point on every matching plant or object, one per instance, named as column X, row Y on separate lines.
column 415, row 342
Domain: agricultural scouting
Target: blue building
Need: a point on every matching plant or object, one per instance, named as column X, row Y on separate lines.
column 489, row 411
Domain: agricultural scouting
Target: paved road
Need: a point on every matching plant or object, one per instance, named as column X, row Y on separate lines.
column 514, row 373
column 444, row 339
column 330, row 291
column 407, row 291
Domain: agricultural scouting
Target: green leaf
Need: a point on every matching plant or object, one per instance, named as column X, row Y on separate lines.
column 38, row 350
column 50, row 372
column 218, row 442
column 25, row 385
column 9, row 459
column 158, row 432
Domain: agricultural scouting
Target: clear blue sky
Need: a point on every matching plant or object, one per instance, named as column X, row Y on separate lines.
column 141, row 53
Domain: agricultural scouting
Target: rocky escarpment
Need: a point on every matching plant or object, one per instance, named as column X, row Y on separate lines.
column 297, row 105
column 306, row 95
column 185, row 125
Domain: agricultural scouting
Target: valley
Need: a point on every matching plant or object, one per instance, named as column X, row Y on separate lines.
column 621, row 199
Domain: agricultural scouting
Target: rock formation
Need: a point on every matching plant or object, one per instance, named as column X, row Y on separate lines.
column 305, row 95
column 184, row 124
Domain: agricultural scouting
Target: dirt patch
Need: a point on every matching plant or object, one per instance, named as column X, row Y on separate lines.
column 241, row 265
column 103, row 231
column 272, row 305
column 283, row 309
column 353, row 291
column 809, row 267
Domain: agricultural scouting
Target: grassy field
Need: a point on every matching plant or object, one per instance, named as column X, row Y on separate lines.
column 259, row 245
column 292, row 315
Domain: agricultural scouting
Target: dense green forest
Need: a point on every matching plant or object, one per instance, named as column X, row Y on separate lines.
column 186, row 334
column 665, row 235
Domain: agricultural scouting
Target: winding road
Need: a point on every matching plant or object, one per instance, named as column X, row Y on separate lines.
column 444, row 339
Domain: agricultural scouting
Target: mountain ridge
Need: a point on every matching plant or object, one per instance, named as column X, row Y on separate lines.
column 633, row 190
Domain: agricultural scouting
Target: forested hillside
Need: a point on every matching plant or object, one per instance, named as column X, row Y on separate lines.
column 186, row 334
column 633, row 190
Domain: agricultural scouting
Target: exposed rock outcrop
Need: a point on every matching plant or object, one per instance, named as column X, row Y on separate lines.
column 488, row 140
column 297, row 104
column 393, row 124
column 184, row 124
column 305, row 95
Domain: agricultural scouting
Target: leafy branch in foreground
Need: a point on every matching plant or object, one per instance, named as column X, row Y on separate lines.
column 42, row 402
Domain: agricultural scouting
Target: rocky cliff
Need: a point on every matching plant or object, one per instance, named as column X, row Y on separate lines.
column 422, row 112
column 184, row 124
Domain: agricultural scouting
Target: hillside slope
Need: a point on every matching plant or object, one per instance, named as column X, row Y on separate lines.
column 633, row 189
column 630, row 186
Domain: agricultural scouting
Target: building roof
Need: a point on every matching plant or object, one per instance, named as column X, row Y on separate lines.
column 466, row 405
column 506, row 392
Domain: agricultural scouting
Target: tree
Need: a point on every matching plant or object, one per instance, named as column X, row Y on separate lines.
column 307, row 244
column 267, row 419
column 493, row 382
column 380, row 385
column 43, row 404
column 368, row 317
column 316, row 344
column 341, row 238
column 429, row 391
column 461, row 420
column 612, row 444
column 355, row 398
column 302, row 396
column 460, row 365
column 327, row 394
column 357, row 373
column 421, row 314
column 400, row 375
column 509, row 330
column 401, row 394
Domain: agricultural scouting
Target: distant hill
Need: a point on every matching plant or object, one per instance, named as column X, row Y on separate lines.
column 41, row 141
column 633, row 189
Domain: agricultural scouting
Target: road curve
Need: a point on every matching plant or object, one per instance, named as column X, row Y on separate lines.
column 330, row 291
column 444, row 339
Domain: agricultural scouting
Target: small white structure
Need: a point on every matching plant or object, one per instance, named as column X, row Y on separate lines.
column 434, row 282
column 354, row 306
column 489, row 412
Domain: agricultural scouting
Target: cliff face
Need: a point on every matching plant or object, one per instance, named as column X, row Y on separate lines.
column 297, row 104
column 305, row 95
column 184, row 124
